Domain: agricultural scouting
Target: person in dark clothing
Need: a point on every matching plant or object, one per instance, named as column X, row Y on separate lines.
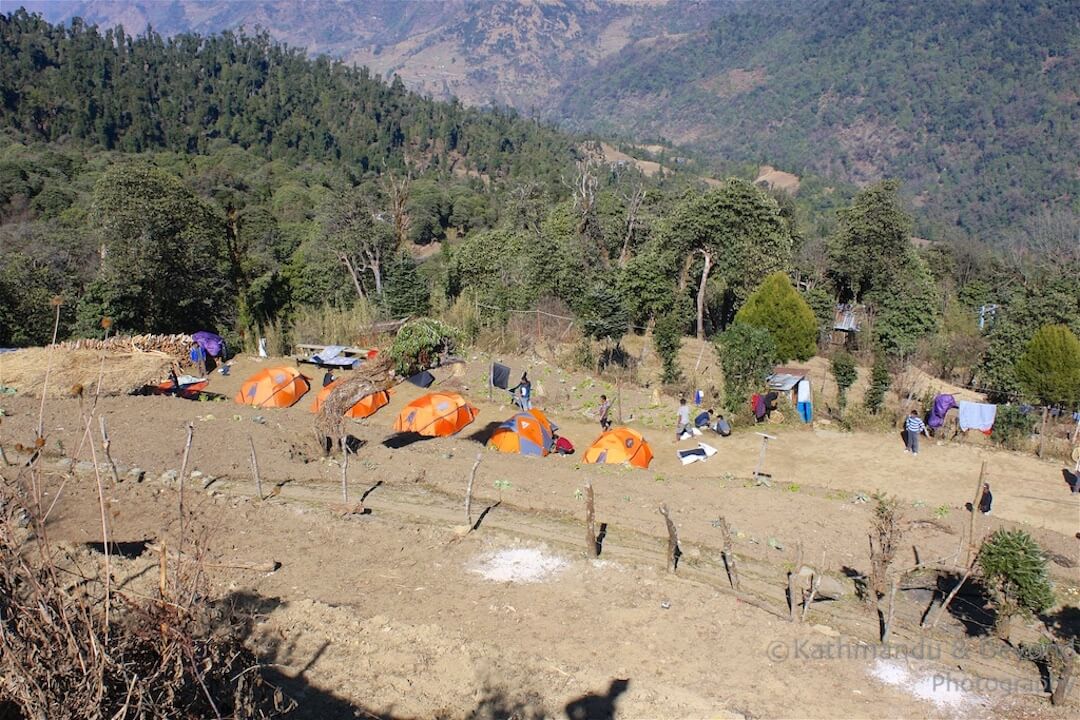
column 523, row 392
column 605, row 410
column 770, row 402
column 704, row 419
column 328, row 378
column 987, row 500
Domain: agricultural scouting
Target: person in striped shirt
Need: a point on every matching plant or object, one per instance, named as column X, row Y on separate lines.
column 913, row 426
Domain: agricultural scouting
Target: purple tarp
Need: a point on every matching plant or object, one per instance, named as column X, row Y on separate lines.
column 208, row 341
column 942, row 405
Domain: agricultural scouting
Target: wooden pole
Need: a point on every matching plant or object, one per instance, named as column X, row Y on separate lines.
column 162, row 569
column 792, row 581
column 949, row 598
column 618, row 396
column 345, row 470
column 887, row 631
column 814, row 585
column 255, row 469
column 105, row 444
column 673, row 539
column 728, row 555
column 1042, row 430
column 975, row 514
column 590, row 521
column 1068, row 665
column 183, row 472
column 468, row 489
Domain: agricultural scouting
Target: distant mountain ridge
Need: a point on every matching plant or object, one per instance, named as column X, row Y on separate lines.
column 974, row 106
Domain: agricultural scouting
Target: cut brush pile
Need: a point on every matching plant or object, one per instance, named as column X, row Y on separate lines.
column 70, row 649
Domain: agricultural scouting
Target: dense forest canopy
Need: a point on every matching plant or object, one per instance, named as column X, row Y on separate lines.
column 973, row 105
column 230, row 183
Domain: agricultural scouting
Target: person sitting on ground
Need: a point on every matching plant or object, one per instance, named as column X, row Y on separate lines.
column 913, row 427
column 721, row 427
column 704, row 419
column 560, row 445
column 328, row 378
column 605, row 408
column 682, row 419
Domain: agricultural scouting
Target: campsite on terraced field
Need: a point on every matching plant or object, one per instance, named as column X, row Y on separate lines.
column 324, row 398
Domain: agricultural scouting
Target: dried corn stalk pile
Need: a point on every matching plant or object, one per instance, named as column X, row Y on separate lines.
column 175, row 345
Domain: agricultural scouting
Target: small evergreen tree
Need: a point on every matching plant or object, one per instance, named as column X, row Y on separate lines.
column 843, row 370
column 406, row 294
column 747, row 355
column 605, row 316
column 667, row 337
column 1015, row 566
column 777, row 307
column 1049, row 369
column 823, row 305
column 879, row 384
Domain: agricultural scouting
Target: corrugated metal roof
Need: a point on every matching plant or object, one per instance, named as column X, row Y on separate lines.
column 783, row 381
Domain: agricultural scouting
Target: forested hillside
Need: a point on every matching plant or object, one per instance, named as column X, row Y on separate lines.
column 972, row 105
column 227, row 182
column 189, row 92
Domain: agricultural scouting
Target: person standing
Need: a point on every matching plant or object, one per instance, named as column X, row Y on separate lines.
column 804, row 403
column 523, row 392
column 913, row 427
column 605, row 410
column 682, row 419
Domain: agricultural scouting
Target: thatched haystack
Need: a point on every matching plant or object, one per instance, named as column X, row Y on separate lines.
column 121, row 372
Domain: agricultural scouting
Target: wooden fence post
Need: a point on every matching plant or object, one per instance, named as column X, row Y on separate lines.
column 255, row 469
column 590, row 521
column 673, row 539
column 728, row 554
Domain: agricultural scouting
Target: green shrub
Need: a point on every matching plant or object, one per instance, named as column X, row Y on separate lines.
column 843, row 370
column 777, row 307
column 747, row 355
column 879, row 384
column 421, row 344
column 1012, row 427
column 1049, row 369
column 1015, row 567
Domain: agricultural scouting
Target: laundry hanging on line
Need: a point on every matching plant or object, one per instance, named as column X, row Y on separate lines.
column 977, row 416
column 942, row 404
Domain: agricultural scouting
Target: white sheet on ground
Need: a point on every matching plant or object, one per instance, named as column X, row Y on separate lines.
column 699, row 454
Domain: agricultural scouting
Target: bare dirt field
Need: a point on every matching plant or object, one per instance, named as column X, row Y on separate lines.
column 398, row 612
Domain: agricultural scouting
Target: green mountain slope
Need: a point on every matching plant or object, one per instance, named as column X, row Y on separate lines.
column 193, row 94
column 974, row 105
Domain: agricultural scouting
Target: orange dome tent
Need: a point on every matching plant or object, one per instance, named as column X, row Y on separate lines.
column 364, row 407
column 435, row 415
column 527, row 433
column 620, row 445
column 278, row 387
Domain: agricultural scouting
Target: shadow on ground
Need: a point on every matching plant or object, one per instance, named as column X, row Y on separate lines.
column 239, row 612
